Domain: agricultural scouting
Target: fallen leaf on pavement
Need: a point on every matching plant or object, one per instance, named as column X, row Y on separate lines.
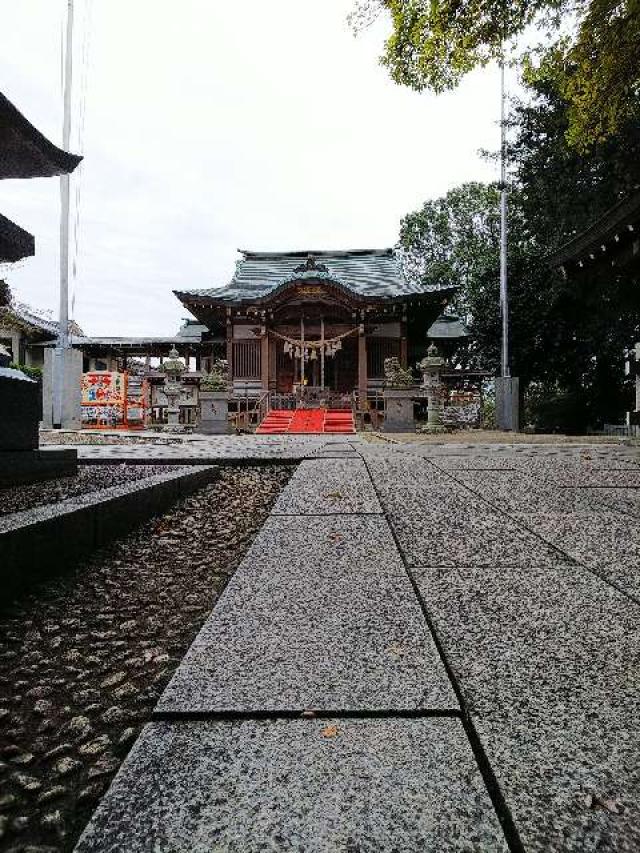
column 329, row 731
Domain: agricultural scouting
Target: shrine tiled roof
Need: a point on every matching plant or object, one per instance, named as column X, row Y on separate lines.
column 374, row 273
column 23, row 316
column 15, row 242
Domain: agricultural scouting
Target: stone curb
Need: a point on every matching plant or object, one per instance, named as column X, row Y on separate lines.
column 194, row 461
column 38, row 543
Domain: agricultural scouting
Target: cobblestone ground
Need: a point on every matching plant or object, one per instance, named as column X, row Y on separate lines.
column 84, row 658
column 90, row 478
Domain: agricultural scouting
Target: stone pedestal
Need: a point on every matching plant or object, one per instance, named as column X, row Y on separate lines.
column 173, row 411
column 20, row 459
column 508, row 403
column 214, row 412
column 398, row 410
column 71, row 396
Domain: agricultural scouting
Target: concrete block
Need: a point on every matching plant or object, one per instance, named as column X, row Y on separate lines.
column 71, row 397
column 508, row 403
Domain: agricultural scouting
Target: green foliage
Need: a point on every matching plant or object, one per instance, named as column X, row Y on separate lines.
column 31, row 372
column 600, row 72
column 434, row 43
column 456, row 240
column 218, row 378
column 567, row 337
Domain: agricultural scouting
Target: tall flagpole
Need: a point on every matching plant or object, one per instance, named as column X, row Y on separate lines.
column 63, row 320
column 504, row 295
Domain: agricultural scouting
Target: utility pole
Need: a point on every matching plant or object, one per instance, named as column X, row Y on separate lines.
column 504, row 293
column 507, row 387
column 63, row 320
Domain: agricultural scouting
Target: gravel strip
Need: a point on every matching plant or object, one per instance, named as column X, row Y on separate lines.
column 84, row 658
column 90, row 478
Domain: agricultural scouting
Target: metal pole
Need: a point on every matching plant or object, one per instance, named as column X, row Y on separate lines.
column 504, row 295
column 63, row 321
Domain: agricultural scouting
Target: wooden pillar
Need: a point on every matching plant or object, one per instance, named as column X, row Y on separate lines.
column 302, row 351
column 403, row 338
column 322, row 353
column 230, row 347
column 264, row 359
column 362, row 366
column 273, row 364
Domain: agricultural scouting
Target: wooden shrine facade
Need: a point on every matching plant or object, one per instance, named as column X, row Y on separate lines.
column 316, row 320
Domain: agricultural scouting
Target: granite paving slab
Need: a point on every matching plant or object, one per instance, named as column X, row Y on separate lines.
column 430, row 503
column 590, row 477
column 619, row 500
column 519, row 457
column 392, row 470
column 320, row 614
column 328, row 486
column 608, row 542
column 516, row 492
column 488, row 539
column 464, row 461
column 319, row 786
column 549, row 663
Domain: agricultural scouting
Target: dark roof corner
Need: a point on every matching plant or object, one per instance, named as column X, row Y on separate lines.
column 27, row 153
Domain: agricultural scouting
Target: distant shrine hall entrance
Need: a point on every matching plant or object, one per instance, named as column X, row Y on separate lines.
column 316, row 325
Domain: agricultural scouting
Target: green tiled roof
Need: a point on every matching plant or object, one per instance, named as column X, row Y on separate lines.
column 448, row 327
column 374, row 273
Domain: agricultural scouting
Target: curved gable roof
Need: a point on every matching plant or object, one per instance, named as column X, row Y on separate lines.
column 373, row 273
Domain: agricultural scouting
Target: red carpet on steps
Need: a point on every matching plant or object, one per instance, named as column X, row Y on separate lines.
column 280, row 421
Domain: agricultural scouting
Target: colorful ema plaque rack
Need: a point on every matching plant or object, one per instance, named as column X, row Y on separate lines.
column 113, row 400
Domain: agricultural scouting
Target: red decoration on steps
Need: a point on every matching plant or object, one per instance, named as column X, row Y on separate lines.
column 313, row 421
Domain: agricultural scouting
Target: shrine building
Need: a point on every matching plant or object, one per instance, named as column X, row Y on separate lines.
column 316, row 320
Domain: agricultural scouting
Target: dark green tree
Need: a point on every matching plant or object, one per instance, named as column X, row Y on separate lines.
column 456, row 240
column 567, row 337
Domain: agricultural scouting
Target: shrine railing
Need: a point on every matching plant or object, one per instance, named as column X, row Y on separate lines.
column 247, row 413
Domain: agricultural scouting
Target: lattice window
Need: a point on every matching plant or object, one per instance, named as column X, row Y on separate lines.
column 377, row 350
column 246, row 359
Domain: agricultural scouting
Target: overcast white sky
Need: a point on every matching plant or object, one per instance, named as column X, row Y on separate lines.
column 211, row 126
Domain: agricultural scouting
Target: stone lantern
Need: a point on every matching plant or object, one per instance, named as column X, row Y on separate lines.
column 431, row 367
column 173, row 369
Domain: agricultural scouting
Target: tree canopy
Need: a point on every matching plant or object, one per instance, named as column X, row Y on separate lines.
column 588, row 47
column 567, row 337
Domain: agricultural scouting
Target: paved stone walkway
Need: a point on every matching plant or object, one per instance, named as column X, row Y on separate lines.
column 426, row 648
